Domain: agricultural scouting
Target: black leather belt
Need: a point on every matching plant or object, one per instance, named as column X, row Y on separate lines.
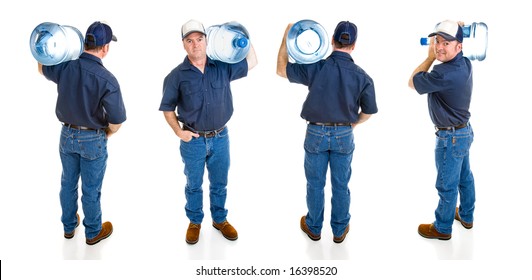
column 452, row 127
column 78, row 127
column 206, row 134
column 330, row 124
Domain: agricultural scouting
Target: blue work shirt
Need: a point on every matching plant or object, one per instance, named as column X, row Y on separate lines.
column 204, row 101
column 88, row 94
column 338, row 89
column 449, row 87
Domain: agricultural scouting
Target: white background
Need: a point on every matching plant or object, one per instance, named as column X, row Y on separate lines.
column 392, row 187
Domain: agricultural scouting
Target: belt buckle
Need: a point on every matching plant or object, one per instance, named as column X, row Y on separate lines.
column 212, row 133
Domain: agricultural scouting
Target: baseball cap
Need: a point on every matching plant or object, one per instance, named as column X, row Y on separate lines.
column 99, row 34
column 191, row 26
column 450, row 30
column 345, row 33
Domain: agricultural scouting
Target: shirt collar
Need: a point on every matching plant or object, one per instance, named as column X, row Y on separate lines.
column 89, row 56
column 341, row 55
column 187, row 65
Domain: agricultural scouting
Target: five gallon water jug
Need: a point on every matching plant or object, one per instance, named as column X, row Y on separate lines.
column 307, row 42
column 51, row 43
column 475, row 42
column 228, row 42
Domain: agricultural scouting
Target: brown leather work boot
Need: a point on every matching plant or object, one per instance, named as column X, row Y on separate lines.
column 457, row 217
column 107, row 229
column 340, row 239
column 193, row 232
column 69, row 235
column 429, row 231
column 227, row 230
column 305, row 229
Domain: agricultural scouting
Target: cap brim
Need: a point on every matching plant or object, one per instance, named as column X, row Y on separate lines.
column 444, row 35
column 114, row 38
column 192, row 31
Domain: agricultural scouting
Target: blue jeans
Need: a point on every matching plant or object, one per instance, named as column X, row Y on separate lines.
column 454, row 177
column 328, row 146
column 83, row 154
column 212, row 152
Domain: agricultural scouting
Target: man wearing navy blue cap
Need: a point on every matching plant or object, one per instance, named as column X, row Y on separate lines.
column 99, row 34
column 90, row 106
column 449, row 87
column 341, row 96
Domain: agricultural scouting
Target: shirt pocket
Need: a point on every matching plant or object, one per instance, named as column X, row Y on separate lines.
column 192, row 95
column 220, row 91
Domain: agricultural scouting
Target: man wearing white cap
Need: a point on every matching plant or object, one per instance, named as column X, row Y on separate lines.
column 199, row 89
column 449, row 87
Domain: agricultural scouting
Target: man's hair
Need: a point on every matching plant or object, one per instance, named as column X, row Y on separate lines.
column 93, row 48
column 339, row 45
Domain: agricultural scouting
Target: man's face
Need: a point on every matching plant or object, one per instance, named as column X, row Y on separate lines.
column 195, row 45
column 446, row 50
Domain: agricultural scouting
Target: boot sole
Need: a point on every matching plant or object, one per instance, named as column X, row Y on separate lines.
column 96, row 241
column 226, row 237
column 192, row 242
column 435, row 237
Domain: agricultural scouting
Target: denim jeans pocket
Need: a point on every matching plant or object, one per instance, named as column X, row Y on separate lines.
column 461, row 145
column 313, row 141
column 223, row 134
column 93, row 146
column 346, row 142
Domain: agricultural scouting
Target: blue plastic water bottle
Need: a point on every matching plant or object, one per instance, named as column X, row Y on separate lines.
column 51, row 43
column 228, row 42
column 307, row 41
column 475, row 42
